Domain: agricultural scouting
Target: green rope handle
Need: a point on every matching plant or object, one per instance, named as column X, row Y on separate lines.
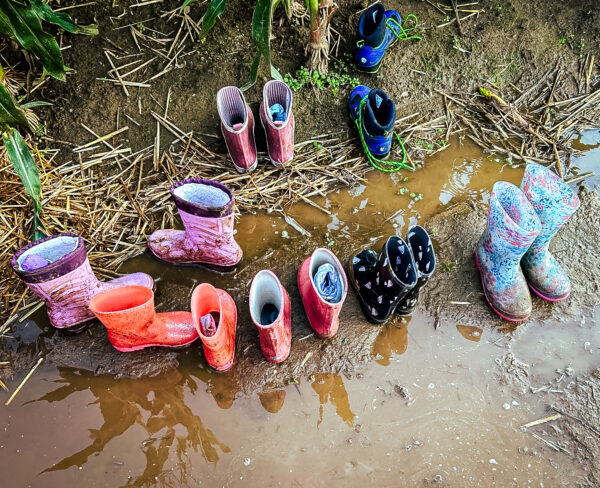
column 404, row 33
column 380, row 164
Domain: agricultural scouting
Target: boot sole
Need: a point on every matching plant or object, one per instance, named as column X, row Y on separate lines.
column 363, row 306
column 139, row 348
column 541, row 295
column 243, row 170
column 373, row 69
column 504, row 316
column 210, row 267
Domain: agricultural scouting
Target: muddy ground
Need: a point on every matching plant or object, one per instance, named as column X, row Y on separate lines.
column 511, row 43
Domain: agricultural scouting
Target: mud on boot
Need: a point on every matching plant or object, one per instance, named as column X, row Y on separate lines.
column 512, row 226
column 554, row 202
column 421, row 247
column 57, row 270
column 382, row 280
column 206, row 209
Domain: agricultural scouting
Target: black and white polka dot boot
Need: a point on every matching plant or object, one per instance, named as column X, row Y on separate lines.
column 382, row 280
column 422, row 250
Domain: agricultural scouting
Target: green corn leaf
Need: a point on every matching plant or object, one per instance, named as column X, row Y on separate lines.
column 261, row 28
column 23, row 24
column 215, row 8
column 186, row 3
column 24, row 165
column 276, row 74
column 62, row 19
column 253, row 73
column 36, row 103
column 10, row 112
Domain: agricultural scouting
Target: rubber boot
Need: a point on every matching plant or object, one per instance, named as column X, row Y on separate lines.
column 323, row 313
column 132, row 322
column 554, row 201
column 57, row 270
column 206, row 209
column 215, row 319
column 378, row 30
column 237, row 126
column 375, row 114
column 381, row 281
column 421, row 247
column 512, row 226
column 271, row 312
column 278, row 122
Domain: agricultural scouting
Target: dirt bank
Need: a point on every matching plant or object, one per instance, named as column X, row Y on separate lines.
column 511, row 43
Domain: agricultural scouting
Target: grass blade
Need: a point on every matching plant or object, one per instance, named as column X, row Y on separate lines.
column 62, row 19
column 215, row 9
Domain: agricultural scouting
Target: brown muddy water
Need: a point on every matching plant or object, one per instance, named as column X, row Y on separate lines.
column 432, row 408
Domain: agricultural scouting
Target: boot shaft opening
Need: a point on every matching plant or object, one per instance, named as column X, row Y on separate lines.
column 123, row 308
column 327, row 276
column 422, row 250
column 401, row 261
column 277, row 98
column 266, row 299
column 514, row 203
column 203, row 198
column 232, row 108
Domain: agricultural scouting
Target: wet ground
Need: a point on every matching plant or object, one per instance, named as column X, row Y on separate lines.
column 436, row 399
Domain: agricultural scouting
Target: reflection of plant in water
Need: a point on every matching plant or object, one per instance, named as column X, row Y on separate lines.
column 124, row 403
column 330, row 388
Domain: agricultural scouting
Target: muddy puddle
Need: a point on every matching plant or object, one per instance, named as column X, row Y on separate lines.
column 432, row 407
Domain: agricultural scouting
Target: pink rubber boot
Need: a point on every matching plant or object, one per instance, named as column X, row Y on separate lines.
column 206, row 209
column 277, row 120
column 57, row 269
column 237, row 126
column 271, row 312
column 322, row 312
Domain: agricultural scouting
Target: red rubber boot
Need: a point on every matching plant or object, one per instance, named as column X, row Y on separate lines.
column 271, row 312
column 323, row 314
column 215, row 319
column 132, row 322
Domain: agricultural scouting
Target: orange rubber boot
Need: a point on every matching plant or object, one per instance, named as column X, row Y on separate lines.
column 215, row 319
column 132, row 322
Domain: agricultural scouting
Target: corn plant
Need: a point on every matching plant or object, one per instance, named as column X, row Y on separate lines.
column 12, row 117
column 22, row 22
column 320, row 12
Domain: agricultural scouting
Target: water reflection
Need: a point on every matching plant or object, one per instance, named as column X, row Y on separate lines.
column 470, row 332
column 158, row 405
column 272, row 401
column 331, row 389
column 392, row 339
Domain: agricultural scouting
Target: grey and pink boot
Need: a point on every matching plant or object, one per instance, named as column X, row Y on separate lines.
column 57, row 270
column 237, row 126
column 278, row 122
column 206, row 209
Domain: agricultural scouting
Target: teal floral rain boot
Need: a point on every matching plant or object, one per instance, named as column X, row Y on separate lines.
column 512, row 226
column 554, row 201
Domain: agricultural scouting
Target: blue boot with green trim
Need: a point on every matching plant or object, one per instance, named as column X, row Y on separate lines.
column 379, row 29
column 374, row 114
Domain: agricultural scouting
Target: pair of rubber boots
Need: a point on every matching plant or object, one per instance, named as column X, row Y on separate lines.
column 323, row 287
column 378, row 30
column 513, row 251
column 237, row 125
column 132, row 322
column 390, row 281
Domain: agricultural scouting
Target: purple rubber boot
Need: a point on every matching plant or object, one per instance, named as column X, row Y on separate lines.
column 206, row 209
column 512, row 226
column 277, row 120
column 554, row 201
column 57, row 269
column 237, row 126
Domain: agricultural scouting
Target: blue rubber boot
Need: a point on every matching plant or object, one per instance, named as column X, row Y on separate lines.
column 512, row 226
column 378, row 30
column 376, row 114
column 554, row 201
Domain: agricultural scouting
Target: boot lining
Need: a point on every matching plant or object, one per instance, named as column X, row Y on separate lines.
column 200, row 194
column 320, row 257
column 231, row 106
column 265, row 290
column 278, row 92
column 51, row 250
